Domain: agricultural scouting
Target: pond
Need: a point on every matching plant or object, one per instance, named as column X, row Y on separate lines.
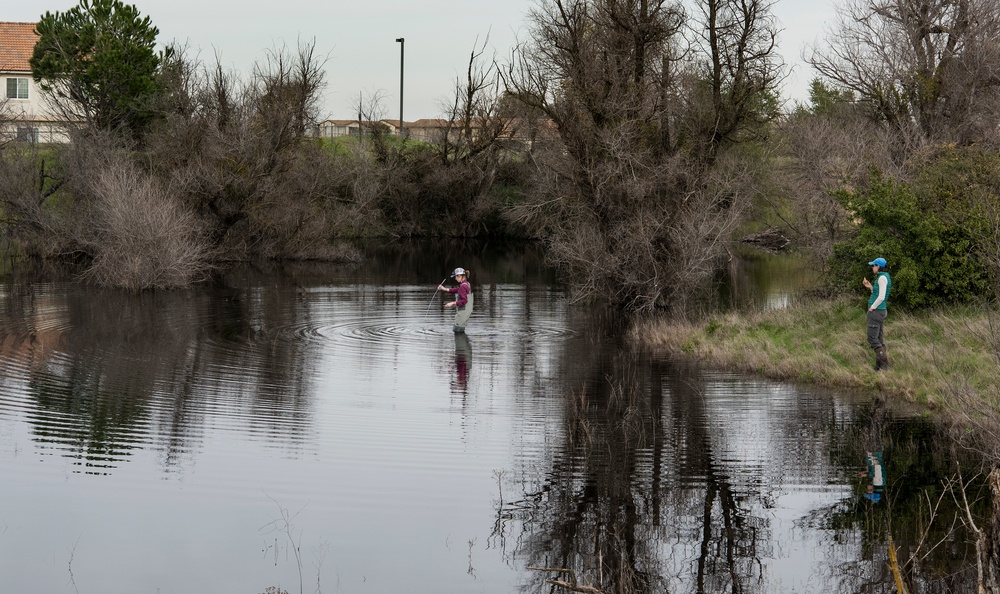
column 320, row 428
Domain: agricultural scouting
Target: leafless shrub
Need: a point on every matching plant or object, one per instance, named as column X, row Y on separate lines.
column 239, row 155
column 703, row 226
column 985, row 531
column 825, row 154
column 442, row 184
column 977, row 415
column 363, row 184
column 140, row 237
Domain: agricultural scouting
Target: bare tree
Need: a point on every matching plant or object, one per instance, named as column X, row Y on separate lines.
column 475, row 120
column 371, row 111
column 235, row 151
column 927, row 68
column 738, row 73
column 636, row 200
column 286, row 93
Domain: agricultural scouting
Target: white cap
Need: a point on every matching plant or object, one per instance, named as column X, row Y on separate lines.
column 459, row 271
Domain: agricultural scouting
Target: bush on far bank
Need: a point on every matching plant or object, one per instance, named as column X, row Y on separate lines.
column 932, row 230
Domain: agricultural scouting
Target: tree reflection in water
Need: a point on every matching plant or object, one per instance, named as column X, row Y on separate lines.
column 648, row 491
column 111, row 373
column 640, row 475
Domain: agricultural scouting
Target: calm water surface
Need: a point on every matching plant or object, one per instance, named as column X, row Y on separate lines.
column 320, row 428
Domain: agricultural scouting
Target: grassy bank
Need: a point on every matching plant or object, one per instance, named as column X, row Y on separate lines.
column 940, row 359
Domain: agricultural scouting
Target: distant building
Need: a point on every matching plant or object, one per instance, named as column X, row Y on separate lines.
column 338, row 128
column 516, row 130
column 429, row 129
column 435, row 130
column 25, row 112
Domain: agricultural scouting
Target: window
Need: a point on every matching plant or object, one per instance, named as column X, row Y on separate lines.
column 27, row 134
column 17, row 88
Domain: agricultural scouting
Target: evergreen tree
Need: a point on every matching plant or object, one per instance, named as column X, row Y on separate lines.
column 98, row 60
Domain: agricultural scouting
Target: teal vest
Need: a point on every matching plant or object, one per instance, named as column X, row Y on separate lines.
column 875, row 290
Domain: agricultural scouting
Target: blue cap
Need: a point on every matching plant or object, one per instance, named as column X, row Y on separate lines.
column 880, row 262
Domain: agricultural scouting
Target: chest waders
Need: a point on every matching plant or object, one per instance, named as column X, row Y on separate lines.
column 462, row 314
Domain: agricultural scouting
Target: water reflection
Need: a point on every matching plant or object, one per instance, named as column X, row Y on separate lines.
column 536, row 449
column 669, row 478
column 875, row 490
column 111, row 372
column 463, row 363
column 765, row 281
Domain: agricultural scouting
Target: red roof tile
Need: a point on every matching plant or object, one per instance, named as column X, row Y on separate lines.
column 17, row 41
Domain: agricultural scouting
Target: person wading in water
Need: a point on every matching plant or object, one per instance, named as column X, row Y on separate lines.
column 463, row 298
column 877, row 311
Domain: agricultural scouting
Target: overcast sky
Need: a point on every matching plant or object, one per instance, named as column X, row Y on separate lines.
column 358, row 37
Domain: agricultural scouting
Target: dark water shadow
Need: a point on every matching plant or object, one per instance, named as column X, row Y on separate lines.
column 666, row 478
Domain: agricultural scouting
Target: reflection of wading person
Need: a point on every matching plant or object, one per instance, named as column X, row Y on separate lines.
column 463, row 361
column 877, row 311
column 463, row 299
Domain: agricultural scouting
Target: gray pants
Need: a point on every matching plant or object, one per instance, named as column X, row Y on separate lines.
column 462, row 315
column 876, row 326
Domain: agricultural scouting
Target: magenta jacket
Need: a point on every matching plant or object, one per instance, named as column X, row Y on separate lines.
column 463, row 291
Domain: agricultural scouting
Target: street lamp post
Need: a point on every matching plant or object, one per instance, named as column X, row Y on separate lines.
column 401, row 43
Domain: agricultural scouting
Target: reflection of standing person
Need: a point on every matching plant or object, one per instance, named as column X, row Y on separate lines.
column 877, row 303
column 463, row 298
column 875, row 488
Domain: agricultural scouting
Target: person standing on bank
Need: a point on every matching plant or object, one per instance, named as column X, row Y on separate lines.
column 463, row 298
column 877, row 311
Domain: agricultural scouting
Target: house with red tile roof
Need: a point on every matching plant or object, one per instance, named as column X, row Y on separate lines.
column 25, row 113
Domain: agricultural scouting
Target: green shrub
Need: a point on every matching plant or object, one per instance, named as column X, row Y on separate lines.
column 926, row 230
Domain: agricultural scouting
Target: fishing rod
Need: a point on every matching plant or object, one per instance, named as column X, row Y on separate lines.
column 434, row 295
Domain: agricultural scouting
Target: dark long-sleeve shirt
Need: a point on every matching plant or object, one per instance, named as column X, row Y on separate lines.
column 462, row 291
